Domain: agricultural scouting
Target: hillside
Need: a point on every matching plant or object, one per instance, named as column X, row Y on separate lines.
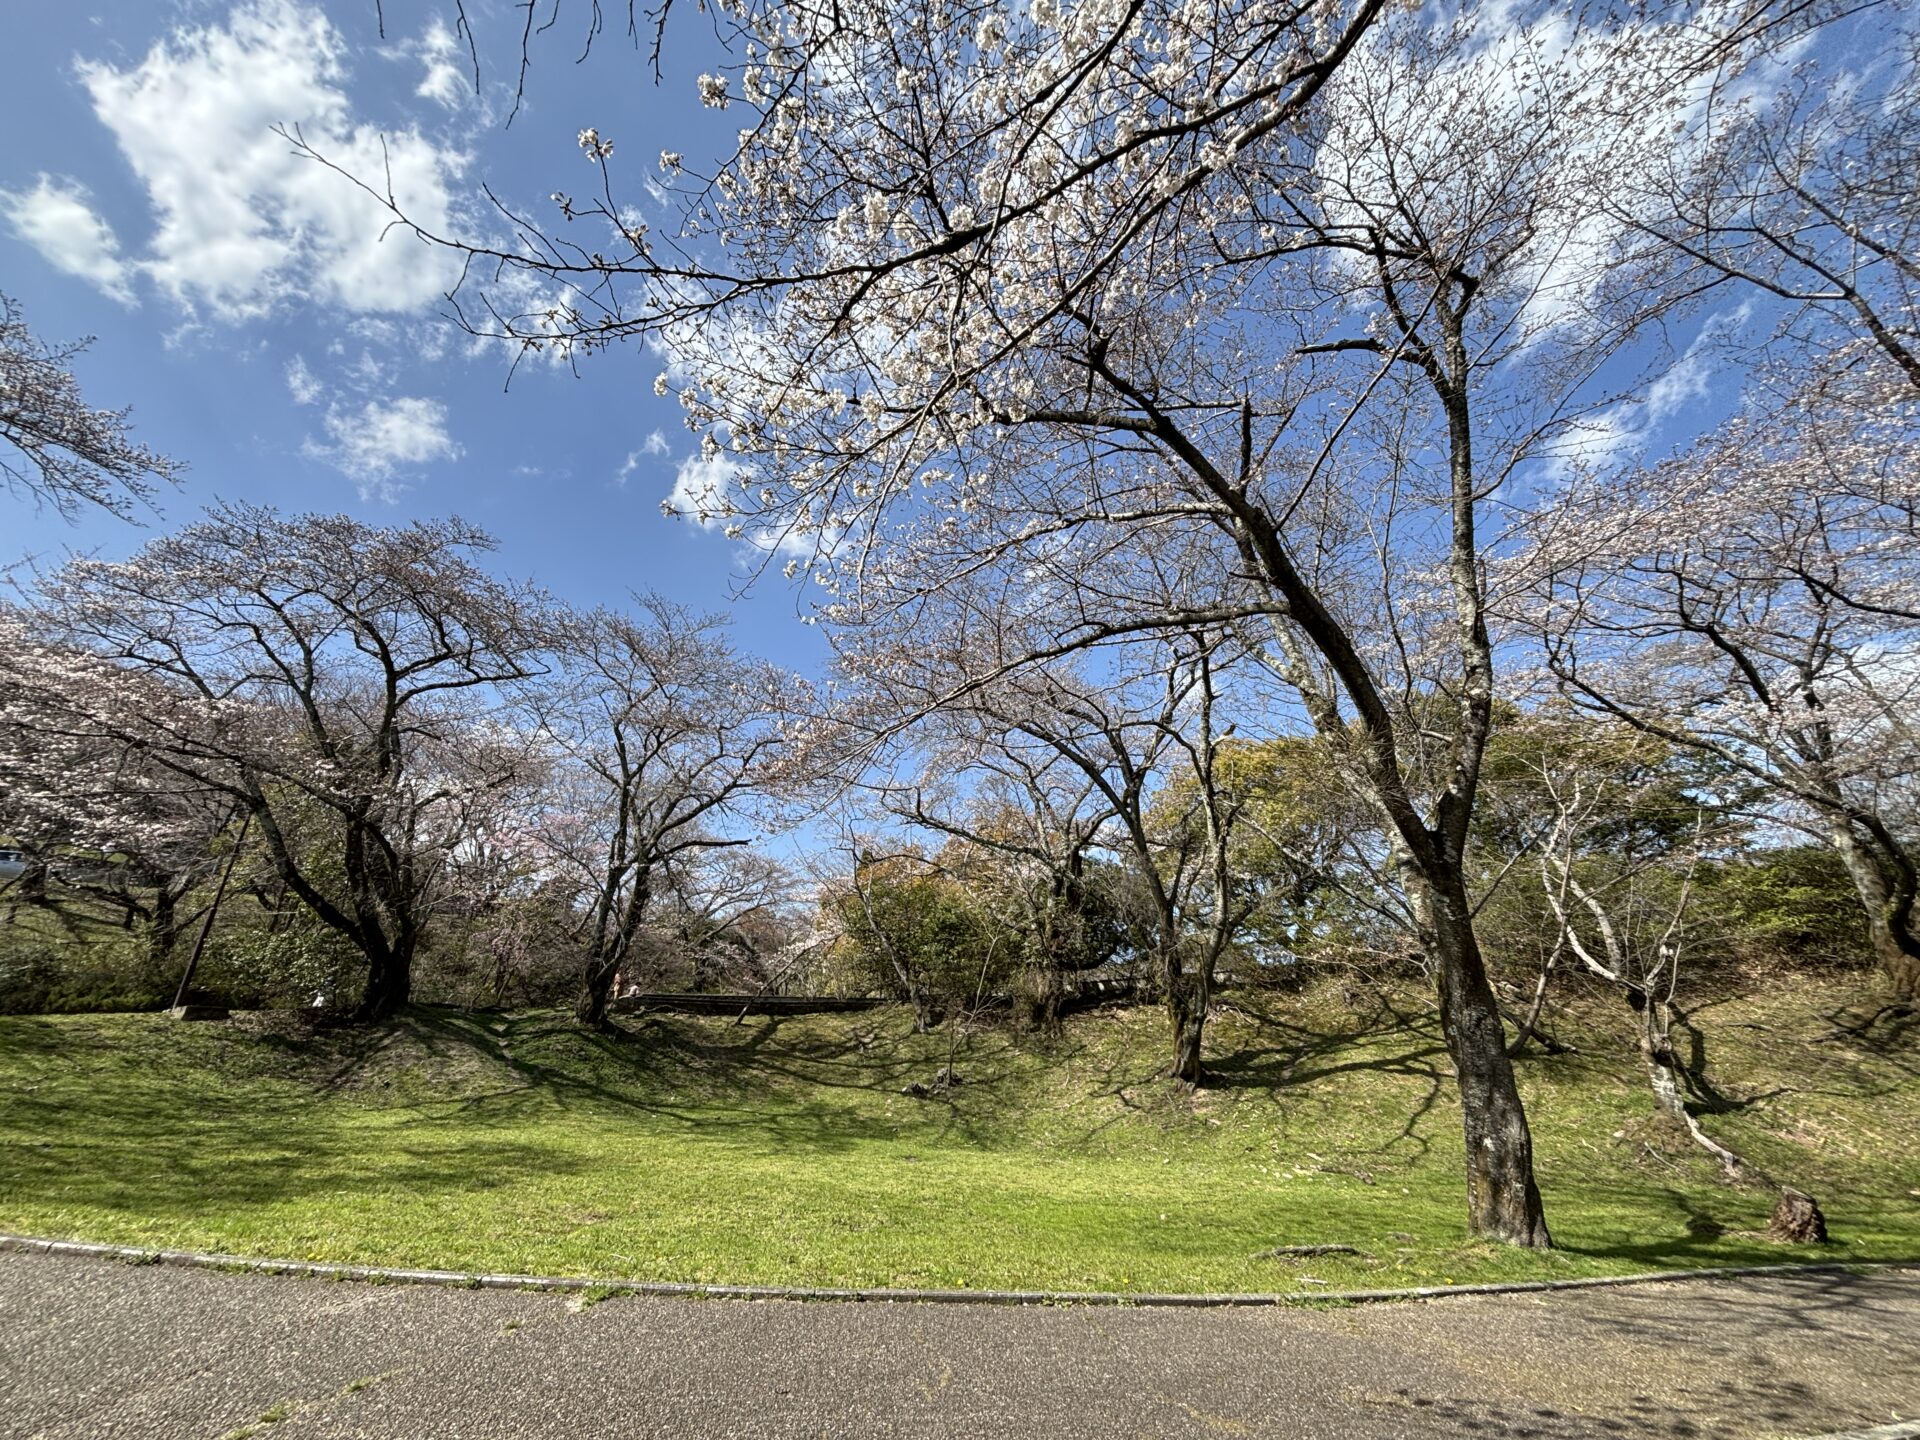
column 783, row 1151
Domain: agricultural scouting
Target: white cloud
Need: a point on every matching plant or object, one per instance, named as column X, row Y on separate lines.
column 56, row 218
column 244, row 224
column 700, row 490
column 1626, row 430
column 445, row 83
column 701, row 494
column 375, row 442
column 655, row 444
column 302, row 383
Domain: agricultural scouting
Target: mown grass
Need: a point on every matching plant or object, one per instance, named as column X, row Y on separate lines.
column 781, row 1151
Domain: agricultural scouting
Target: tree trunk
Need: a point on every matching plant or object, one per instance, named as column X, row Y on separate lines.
column 1046, row 988
column 1656, row 1053
column 163, row 930
column 1663, row 1075
column 1503, row 1202
column 596, row 990
column 389, row 985
column 1894, row 944
column 1188, row 995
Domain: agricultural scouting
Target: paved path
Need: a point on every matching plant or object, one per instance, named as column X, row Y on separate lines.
column 99, row 1349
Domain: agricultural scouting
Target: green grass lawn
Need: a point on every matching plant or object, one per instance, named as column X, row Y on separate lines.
column 781, row 1151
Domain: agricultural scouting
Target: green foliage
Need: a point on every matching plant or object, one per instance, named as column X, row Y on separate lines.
column 1295, row 847
column 57, row 959
column 1791, row 905
column 285, row 965
column 906, row 926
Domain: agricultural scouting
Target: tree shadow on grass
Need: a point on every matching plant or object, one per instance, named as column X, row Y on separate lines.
column 1303, row 1054
column 1390, row 1041
column 203, row 1163
column 182, row 1126
column 774, row 1077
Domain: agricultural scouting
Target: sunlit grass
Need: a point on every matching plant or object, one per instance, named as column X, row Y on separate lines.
column 782, row 1151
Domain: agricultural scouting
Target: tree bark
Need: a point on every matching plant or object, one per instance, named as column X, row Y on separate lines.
column 596, row 991
column 389, row 984
column 1797, row 1219
column 1656, row 1053
column 1503, row 1202
column 1889, row 925
column 1188, row 995
column 163, row 928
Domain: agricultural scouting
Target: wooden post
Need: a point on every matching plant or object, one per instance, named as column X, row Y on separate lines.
column 206, row 926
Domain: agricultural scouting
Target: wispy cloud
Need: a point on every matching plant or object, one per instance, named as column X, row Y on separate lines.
column 302, row 383
column 445, row 82
column 655, row 445
column 376, row 442
column 57, row 218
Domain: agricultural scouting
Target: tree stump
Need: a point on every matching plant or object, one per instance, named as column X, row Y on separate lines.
column 1797, row 1219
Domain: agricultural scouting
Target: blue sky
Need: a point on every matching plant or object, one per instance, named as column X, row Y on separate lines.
column 264, row 334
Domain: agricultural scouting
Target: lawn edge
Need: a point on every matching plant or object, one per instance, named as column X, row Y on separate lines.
column 670, row 1289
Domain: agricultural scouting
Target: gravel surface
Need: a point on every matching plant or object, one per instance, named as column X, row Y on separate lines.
column 92, row 1348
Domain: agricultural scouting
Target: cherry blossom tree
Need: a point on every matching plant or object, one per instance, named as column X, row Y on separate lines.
column 1123, row 723
column 1030, row 822
column 106, row 828
column 57, row 448
column 330, row 678
column 1610, row 830
column 665, row 741
column 1034, row 287
column 1756, row 598
column 1801, row 193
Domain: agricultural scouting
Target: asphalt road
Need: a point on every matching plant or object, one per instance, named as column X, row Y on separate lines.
column 94, row 1349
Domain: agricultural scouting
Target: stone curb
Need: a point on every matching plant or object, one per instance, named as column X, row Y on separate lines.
column 477, row 1280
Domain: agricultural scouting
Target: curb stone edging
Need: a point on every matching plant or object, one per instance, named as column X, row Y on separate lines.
column 479, row 1280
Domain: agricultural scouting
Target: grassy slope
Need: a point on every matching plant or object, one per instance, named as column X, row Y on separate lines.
column 781, row 1151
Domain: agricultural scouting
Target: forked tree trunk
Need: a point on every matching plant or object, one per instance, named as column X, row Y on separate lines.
column 1655, row 1030
column 596, row 993
column 1503, row 1202
column 1656, row 1053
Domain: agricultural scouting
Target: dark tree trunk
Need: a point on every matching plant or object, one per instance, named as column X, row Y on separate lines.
column 1503, row 1202
column 1046, row 989
column 389, row 985
column 596, row 991
column 163, row 930
column 1899, row 956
